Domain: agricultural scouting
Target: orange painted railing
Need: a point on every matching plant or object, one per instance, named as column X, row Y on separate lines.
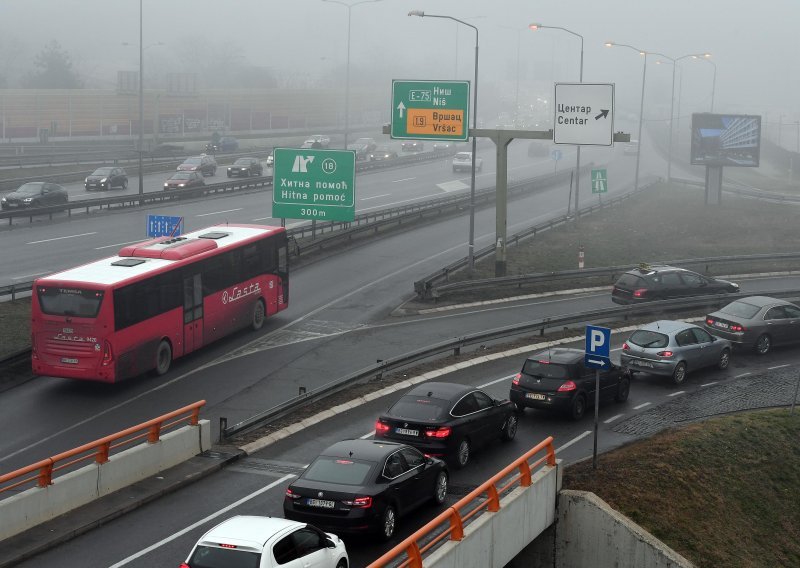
column 468, row 507
column 99, row 450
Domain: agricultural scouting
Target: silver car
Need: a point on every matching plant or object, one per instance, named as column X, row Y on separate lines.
column 673, row 348
column 757, row 322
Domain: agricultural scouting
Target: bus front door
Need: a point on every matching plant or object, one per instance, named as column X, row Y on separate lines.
column 192, row 312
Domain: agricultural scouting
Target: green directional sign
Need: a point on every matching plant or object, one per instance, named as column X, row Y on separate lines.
column 314, row 184
column 430, row 110
column 599, row 181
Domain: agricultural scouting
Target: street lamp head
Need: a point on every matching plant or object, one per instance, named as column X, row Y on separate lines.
column 419, row 13
column 609, row 44
column 535, row 26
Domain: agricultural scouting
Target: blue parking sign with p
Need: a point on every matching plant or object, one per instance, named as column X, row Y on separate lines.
column 598, row 347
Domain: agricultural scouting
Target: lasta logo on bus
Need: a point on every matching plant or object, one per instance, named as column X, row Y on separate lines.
column 78, row 338
column 237, row 293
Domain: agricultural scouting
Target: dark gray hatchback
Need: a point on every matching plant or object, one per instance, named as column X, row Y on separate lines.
column 648, row 283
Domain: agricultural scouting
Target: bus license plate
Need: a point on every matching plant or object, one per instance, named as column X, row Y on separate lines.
column 69, row 360
column 535, row 396
column 321, row 503
column 407, row 432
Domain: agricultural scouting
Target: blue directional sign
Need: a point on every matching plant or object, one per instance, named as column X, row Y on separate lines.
column 164, row 226
column 556, row 154
column 598, row 347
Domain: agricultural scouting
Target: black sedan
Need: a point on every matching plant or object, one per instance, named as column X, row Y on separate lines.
column 358, row 486
column 246, row 167
column 412, row 146
column 35, row 194
column 557, row 379
column 757, row 322
column 448, row 420
column 382, row 153
column 184, row 180
column 657, row 282
column 106, row 178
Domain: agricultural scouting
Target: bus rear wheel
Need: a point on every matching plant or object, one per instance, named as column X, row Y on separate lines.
column 258, row 315
column 163, row 358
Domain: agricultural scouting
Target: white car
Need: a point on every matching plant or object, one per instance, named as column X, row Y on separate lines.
column 267, row 542
column 320, row 140
column 463, row 161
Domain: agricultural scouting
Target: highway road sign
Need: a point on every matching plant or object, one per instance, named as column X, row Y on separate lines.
column 164, row 226
column 430, row 110
column 598, row 347
column 599, row 181
column 584, row 114
column 314, row 184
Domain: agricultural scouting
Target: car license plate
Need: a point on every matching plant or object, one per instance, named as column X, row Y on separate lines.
column 535, row 396
column 13, row 204
column 321, row 503
column 721, row 325
column 642, row 363
column 407, row 432
column 69, row 360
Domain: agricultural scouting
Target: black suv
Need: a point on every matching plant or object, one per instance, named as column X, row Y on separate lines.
column 246, row 167
column 648, row 283
column 556, row 379
column 204, row 164
column 106, row 178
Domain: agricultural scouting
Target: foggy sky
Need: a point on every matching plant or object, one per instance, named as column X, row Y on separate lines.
column 752, row 43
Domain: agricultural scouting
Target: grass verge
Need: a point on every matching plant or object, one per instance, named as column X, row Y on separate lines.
column 724, row 492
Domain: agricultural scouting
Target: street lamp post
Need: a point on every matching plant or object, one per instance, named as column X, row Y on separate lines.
column 141, row 100
column 471, row 247
column 534, row 27
column 347, row 67
column 705, row 57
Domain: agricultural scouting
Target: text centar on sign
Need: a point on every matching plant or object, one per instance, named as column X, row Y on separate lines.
column 584, row 114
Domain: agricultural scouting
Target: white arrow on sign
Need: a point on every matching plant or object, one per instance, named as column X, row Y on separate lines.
column 401, row 107
column 601, row 362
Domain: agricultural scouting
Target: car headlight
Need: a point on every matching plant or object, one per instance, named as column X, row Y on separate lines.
column 3, row 200
column 28, row 199
column 166, row 185
column 86, row 180
column 181, row 185
column 104, row 180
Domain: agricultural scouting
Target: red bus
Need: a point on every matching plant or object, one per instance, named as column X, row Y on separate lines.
column 157, row 300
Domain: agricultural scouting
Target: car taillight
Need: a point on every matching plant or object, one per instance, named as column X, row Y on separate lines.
column 108, row 354
column 381, row 428
column 360, row 502
column 184, row 565
column 223, row 545
column 665, row 353
column 515, row 380
column 568, row 386
column 709, row 321
column 626, row 347
column 34, row 354
column 640, row 293
column 736, row 327
column 442, row 432
column 291, row 494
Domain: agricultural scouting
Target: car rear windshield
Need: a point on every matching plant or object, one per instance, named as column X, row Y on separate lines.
column 645, row 338
column 544, row 369
column 214, row 557
column 420, row 408
column 76, row 302
column 630, row 281
column 345, row 471
column 740, row 309
column 463, row 156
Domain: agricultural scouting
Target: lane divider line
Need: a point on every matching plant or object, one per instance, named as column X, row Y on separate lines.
column 613, row 418
column 709, row 384
column 574, row 440
column 642, row 405
column 676, row 393
column 61, row 238
column 219, row 212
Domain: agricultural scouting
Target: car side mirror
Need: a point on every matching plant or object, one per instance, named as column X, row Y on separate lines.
column 329, row 543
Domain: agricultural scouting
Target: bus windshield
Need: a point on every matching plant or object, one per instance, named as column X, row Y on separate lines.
column 76, row 302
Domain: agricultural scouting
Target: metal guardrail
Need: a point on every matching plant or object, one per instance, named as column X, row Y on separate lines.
column 457, row 344
column 732, row 186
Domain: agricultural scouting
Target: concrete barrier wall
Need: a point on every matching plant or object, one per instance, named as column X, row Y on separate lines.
column 494, row 539
column 588, row 533
column 77, row 488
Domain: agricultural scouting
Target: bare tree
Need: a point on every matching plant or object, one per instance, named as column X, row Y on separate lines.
column 54, row 70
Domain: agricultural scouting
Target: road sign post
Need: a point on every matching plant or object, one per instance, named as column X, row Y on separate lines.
column 599, row 181
column 584, row 114
column 430, row 110
column 314, row 184
column 598, row 349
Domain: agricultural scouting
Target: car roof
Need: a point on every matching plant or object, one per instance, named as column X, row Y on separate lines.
column 368, row 450
column 446, row 391
column 248, row 529
column 761, row 301
column 564, row 355
column 666, row 326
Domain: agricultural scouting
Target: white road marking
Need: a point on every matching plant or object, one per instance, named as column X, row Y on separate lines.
column 117, row 245
column 375, row 197
column 742, row 375
column 60, row 238
column 404, row 179
column 676, row 393
column 448, row 186
column 573, row 441
column 610, row 420
column 709, row 384
column 497, row 381
column 642, row 405
column 219, row 212
column 776, row 367
column 367, row 435
column 28, row 275
column 202, row 521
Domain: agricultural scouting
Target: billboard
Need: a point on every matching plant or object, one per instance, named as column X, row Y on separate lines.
column 726, row 140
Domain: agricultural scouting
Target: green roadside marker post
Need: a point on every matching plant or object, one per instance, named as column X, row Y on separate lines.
column 314, row 184
column 599, row 181
column 430, row 110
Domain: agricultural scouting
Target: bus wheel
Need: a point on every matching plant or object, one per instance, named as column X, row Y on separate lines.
column 163, row 358
column 258, row 316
